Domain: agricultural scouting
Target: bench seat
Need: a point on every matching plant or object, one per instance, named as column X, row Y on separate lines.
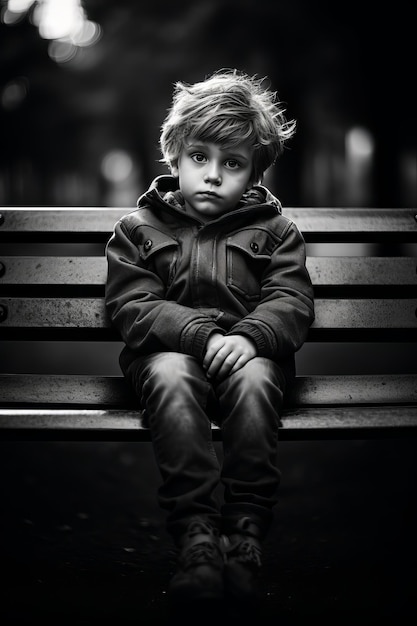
column 52, row 277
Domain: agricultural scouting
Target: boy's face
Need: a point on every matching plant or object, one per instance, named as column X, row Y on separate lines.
column 212, row 178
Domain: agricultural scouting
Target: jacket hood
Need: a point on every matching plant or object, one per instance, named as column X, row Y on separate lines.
column 165, row 189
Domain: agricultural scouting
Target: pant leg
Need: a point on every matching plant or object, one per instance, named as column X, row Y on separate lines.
column 174, row 392
column 250, row 401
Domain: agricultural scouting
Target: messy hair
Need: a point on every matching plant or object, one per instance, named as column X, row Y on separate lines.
column 228, row 108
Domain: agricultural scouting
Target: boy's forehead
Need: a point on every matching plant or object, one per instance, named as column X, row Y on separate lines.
column 243, row 149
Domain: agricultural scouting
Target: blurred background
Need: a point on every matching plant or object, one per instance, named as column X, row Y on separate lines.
column 84, row 87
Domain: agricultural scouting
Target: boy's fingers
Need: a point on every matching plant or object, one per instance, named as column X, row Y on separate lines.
column 216, row 342
column 222, row 363
column 242, row 360
column 216, row 364
column 209, row 357
column 214, row 367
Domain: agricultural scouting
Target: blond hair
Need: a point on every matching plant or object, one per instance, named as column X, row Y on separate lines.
column 227, row 108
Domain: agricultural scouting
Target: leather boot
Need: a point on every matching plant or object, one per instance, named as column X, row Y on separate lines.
column 199, row 576
column 242, row 554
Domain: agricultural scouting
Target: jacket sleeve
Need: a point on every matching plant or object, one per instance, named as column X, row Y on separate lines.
column 136, row 305
column 280, row 322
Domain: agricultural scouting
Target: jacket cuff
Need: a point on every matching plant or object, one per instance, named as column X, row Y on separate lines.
column 264, row 340
column 194, row 340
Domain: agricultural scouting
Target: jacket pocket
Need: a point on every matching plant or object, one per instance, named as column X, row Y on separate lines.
column 158, row 251
column 248, row 253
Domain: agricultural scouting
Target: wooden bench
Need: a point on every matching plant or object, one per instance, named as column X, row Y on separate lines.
column 52, row 276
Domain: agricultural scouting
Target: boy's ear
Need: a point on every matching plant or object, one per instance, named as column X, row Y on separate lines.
column 174, row 169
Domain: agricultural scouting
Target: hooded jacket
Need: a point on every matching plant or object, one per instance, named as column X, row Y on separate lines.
column 173, row 279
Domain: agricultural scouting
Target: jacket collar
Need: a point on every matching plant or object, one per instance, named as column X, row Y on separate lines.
column 165, row 189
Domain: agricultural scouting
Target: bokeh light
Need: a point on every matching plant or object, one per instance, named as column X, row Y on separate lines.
column 116, row 166
column 64, row 22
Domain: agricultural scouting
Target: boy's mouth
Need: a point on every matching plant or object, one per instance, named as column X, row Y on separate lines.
column 208, row 194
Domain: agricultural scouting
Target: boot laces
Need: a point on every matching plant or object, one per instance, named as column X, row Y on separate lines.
column 205, row 552
column 244, row 551
column 205, row 549
column 197, row 527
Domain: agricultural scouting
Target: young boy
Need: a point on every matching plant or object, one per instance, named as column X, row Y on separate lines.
column 208, row 288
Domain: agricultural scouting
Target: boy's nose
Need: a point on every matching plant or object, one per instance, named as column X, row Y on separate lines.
column 213, row 176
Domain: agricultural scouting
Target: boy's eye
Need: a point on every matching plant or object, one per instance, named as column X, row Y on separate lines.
column 198, row 157
column 232, row 164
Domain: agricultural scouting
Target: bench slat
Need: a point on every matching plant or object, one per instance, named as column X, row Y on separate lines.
column 308, row 219
column 48, row 270
column 353, row 220
column 353, row 271
column 369, row 314
column 38, row 389
column 60, row 220
column 346, row 271
column 81, row 313
column 96, row 425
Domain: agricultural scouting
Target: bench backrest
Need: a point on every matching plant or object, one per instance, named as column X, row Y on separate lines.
column 53, row 271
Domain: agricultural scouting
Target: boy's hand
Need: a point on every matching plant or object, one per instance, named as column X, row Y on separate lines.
column 226, row 354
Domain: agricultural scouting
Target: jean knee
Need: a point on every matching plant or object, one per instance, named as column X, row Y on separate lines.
column 173, row 377
column 258, row 374
column 169, row 369
column 253, row 394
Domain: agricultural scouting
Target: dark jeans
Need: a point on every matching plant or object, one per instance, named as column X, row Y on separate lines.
column 180, row 404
